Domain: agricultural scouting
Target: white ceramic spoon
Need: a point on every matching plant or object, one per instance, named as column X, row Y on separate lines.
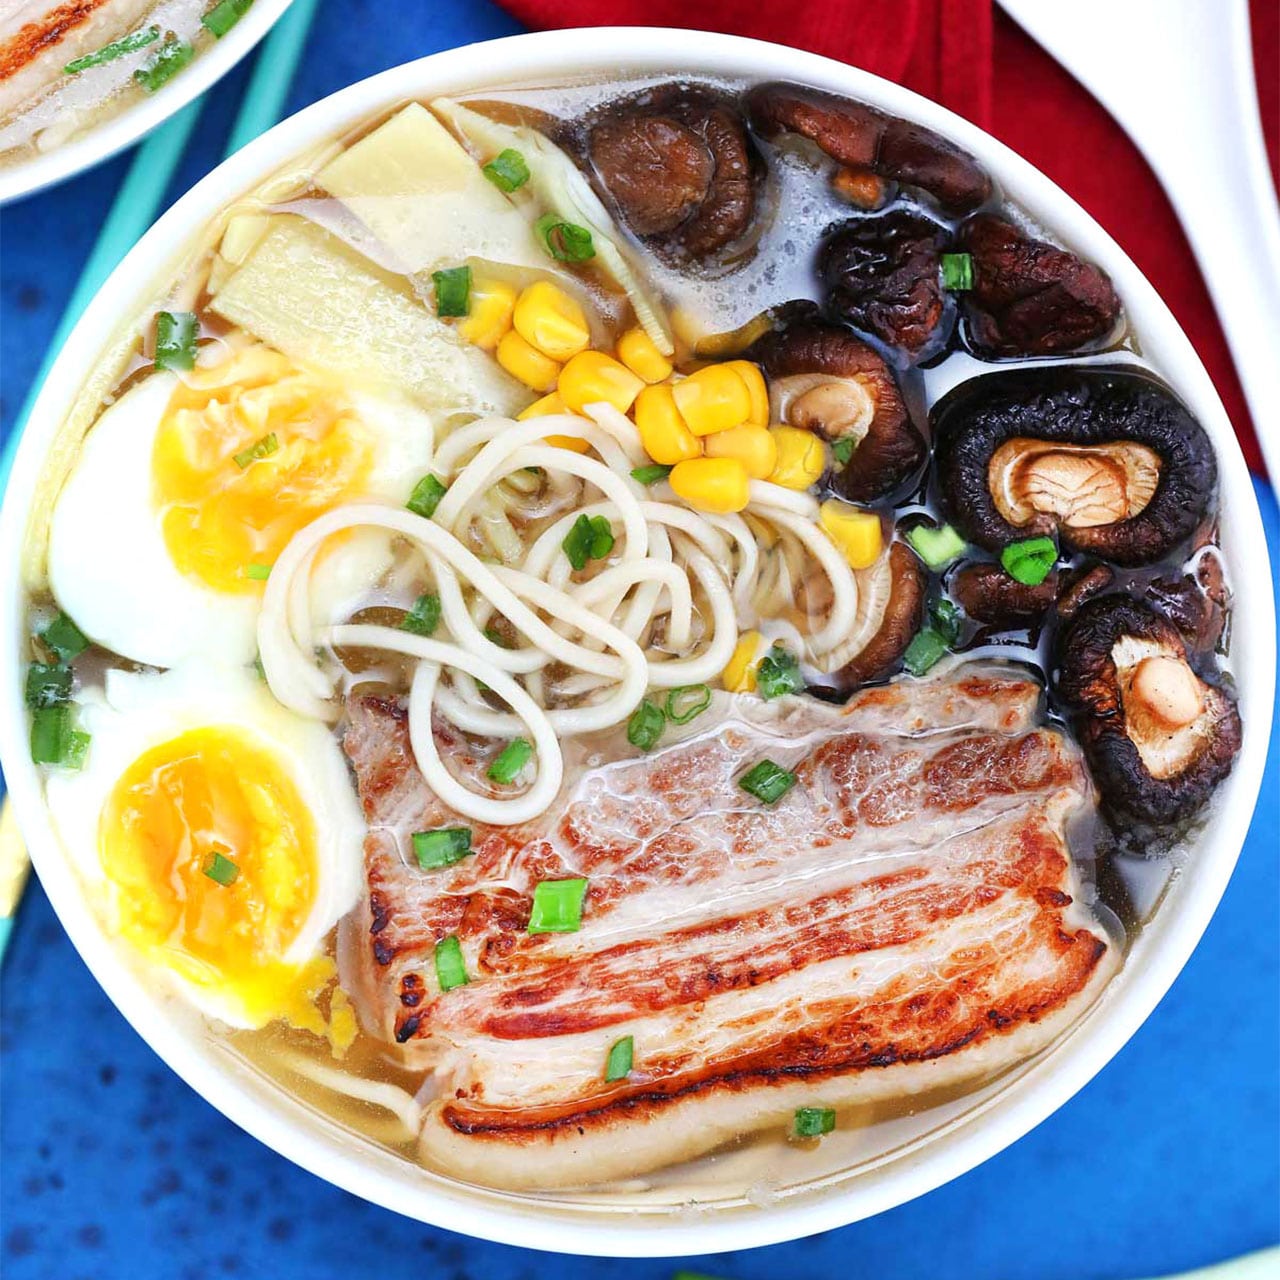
column 1178, row 76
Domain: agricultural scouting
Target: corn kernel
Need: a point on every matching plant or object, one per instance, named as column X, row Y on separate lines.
column 717, row 485
column 713, row 399
column 856, row 533
column 637, row 351
column 592, row 377
column 753, row 446
column 757, row 390
column 549, row 319
column 526, row 362
column 543, row 408
column 739, row 674
column 801, row 457
column 489, row 319
column 663, row 432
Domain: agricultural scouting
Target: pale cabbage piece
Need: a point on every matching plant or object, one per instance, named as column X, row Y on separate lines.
column 556, row 185
column 320, row 302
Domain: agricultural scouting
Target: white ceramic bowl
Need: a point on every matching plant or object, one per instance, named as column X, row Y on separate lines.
column 125, row 128
column 638, row 1226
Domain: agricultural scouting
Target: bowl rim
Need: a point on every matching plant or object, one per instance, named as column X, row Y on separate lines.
column 1166, row 943
column 131, row 125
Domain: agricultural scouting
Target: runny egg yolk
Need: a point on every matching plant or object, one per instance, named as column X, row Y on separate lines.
column 213, row 800
column 221, row 516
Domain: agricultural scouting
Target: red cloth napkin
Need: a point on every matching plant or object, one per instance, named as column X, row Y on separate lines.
column 971, row 58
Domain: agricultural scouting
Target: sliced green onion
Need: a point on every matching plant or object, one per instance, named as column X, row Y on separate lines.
column 591, row 538
column 926, row 648
column 557, row 906
column 778, row 673
column 453, row 291
column 224, row 15
column 54, row 740
column 257, row 572
column 511, row 760
column 64, row 638
column 263, row 448
column 686, row 702
column 164, row 64
column 48, row 684
column 451, row 969
column 218, row 867
column 946, row 620
column 936, row 547
column 426, row 496
column 441, row 848
column 508, row 170
column 617, row 1066
column 1030, row 561
column 134, row 41
column 565, row 241
column 842, row 449
column 651, row 474
column 424, row 617
column 176, row 333
column 646, row 725
column 767, row 781
column 494, row 636
column 813, row 1122
column 957, row 271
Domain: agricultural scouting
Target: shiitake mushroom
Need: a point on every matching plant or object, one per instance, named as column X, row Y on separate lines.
column 1158, row 736
column 824, row 378
column 991, row 596
column 1105, row 457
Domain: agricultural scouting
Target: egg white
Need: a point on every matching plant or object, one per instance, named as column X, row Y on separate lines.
column 140, row 710
column 110, row 569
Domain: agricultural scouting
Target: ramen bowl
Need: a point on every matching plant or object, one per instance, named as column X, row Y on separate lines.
column 120, row 129
column 712, row 1208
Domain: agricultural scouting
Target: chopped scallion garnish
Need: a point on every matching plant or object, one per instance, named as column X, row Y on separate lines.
column 424, row 617
column 176, row 333
column 767, row 781
column 453, row 291
column 441, row 848
column 164, row 64
column 686, row 702
column 778, row 673
column 936, row 547
column 257, row 572
column 218, row 867
column 508, row 170
column 646, row 725
column 565, row 241
column 426, row 496
column 946, row 620
column 842, row 449
column 927, row 647
column 617, row 1065
column 131, row 43
column 511, row 761
column 957, row 271
column 48, row 684
column 263, row 448
column 54, row 739
column 591, row 538
column 451, row 969
column 64, row 638
column 1029, row 561
column 651, row 474
column 557, row 905
column 224, row 15
column 813, row 1122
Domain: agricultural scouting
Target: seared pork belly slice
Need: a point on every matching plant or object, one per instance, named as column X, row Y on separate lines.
column 903, row 919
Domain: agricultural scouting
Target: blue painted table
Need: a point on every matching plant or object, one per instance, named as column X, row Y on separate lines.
column 111, row 1167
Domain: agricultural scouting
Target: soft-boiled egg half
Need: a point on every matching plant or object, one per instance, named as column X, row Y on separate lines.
column 218, row 834
column 190, row 485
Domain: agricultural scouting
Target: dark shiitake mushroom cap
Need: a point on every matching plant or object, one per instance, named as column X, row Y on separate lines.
column 824, row 378
column 1104, row 456
column 891, row 596
column 989, row 595
column 1158, row 737
column 678, row 167
column 1031, row 298
column 864, row 139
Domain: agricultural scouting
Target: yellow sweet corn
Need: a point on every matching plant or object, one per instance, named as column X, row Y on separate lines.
column 757, row 390
column 526, row 362
column 549, row 319
column 637, row 352
column 713, row 399
column 857, row 534
column 739, row 674
column 717, row 485
column 543, row 408
column 753, row 446
column 801, row 457
column 663, row 432
column 489, row 320
column 592, row 377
